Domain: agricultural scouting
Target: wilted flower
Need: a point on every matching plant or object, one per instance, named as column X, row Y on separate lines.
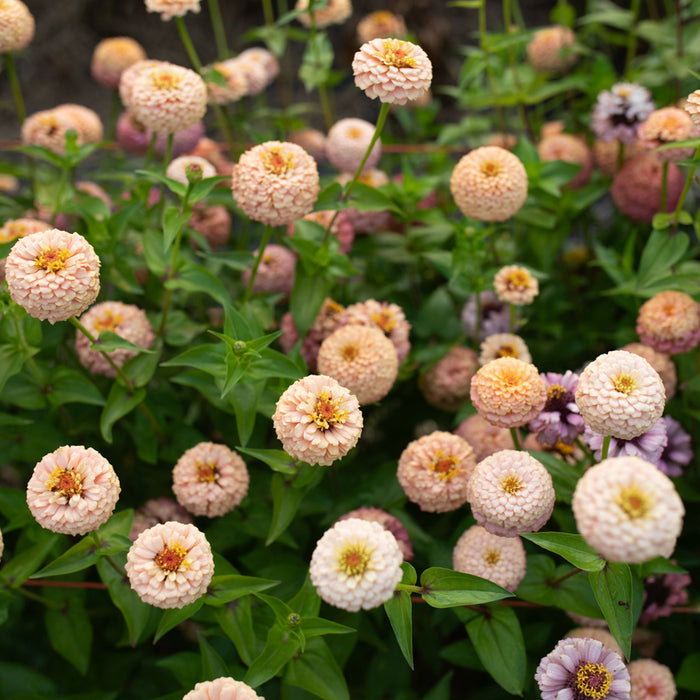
column 549, row 50
column 275, row 271
column 335, row 12
column 628, row 510
column 651, row 680
column 559, row 419
column 347, row 143
column 112, row 57
column 666, row 126
column 356, row 565
column 179, row 168
column 514, row 284
column 223, row 688
column 570, row 149
column 16, row 26
column 648, row 446
column 446, row 384
column 172, row 8
column 677, row 453
column 619, row 112
column 72, row 490
column 503, row 345
column 484, row 437
column 661, row 593
column 381, row 24
column 660, row 361
column 670, row 322
column 388, row 522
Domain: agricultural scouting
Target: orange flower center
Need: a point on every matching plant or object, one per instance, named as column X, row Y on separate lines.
column 108, row 322
column 277, row 161
column 327, row 411
column 350, row 351
column 492, row 557
column 635, row 502
column 396, row 53
column 593, row 681
column 511, row 484
column 385, row 319
column 445, row 466
column 507, row 350
column 66, row 482
column 52, row 259
column 353, row 133
column 354, row 559
column 518, row 279
column 491, row 169
column 625, row 383
column 206, row 472
column 164, row 80
column 172, row 557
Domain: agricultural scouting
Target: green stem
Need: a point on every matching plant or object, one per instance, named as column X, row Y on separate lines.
column 409, row 588
column 32, row 596
column 632, row 36
column 555, row 582
column 606, row 447
column 217, row 23
column 31, row 363
column 516, row 438
column 322, row 92
column 187, row 42
column 268, row 12
column 686, row 187
column 522, row 111
column 151, row 151
column 261, row 250
column 489, row 71
column 477, row 320
column 511, row 318
column 16, row 89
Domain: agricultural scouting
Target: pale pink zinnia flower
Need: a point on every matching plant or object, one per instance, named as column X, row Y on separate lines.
column 172, row 8
column 223, row 688
column 256, row 61
column 155, row 511
column 692, row 106
column 651, row 680
column 335, row 12
column 569, row 149
column 446, row 384
column 72, row 490
column 511, row 492
column 498, row 559
column 670, row 322
column 210, row 479
column 317, row 420
column 660, row 361
column 356, row 565
column 83, row 120
column 19, row 228
column 666, row 126
column 47, row 129
column 275, row 183
column 381, row 24
column 54, row 275
column 508, row 392
column 489, row 184
column 16, row 26
column 362, row 359
column 347, row 143
column 213, row 222
column 620, row 394
column 484, row 437
column 313, row 141
column 130, row 74
column 235, row 78
column 170, row 565
column 393, row 70
column 275, row 271
column 514, row 284
column 127, row 321
column 628, row 510
column 434, row 470
column 503, row 345
column 178, row 168
column 112, row 57
column 549, row 50
column 388, row 522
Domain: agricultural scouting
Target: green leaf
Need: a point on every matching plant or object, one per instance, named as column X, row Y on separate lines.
column 11, row 362
column 173, row 221
column 120, row 402
column 285, row 502
column 564, row 475
column 307, row 298
column 141, row 368
column 209, row 358
column 203, row 188
column 195, row 278
column 277, row 460
column 368, row 198
column 444, row 588
column 236, row 623
column 175, row 186
column 213, row 666
column 224, row 589
column 24, row 564
column 317, row 627
column 69, row 386
column 569, row 546
column 108, row 341
column 660, row 253
column 69, row 628
column 25, row 681
column 280, row 647
column 688, row 676
column 659, row 566
column 316, row 671
column 329, row 197
column 316, row 62
column 172, row 618
column 399, row 610
column 244, row 398
column 80, row 556
column 499, row 644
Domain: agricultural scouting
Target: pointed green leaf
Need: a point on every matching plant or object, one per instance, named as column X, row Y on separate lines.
column 24, row 564
column 173, row 221
column 172, row 618
column 570, row 546
column 120, row 402
column 277, row 460
column 285, row 502
column 195, row 278
column 69, row 628
column 244, row 399
column 80, row 556
column 307, row 298
column 108, row 341
column 209, row 358
column 445, row 588
column 236, row 622
column 317, row 627
column 399, row 610
column 69, row 386
column 224, row 589
column 213, row 666
column 316, row 671
column 280, row 647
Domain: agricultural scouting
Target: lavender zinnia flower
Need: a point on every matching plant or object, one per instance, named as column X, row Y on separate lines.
column 619, row 112
column 494, row 316
column 661, row 593
column 559, row 419
column 649, row 446
column 677, row 452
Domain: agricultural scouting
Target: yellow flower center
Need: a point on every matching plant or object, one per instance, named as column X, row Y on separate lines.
column 172, row 557
column 328, row 411
column 507, row 350
column 555, row 391
column 635, row 502
column 491, row 169
column 396, row 53
column 511, row 484
column 108, row 322
column 518, row 279
column 353, row 132
column 165, row 80
column 52, row 259
column 492, row 557
column 354, row 559
column 277, row 161
column 385, row 319
column 593, row 681
column 66, row 482
column 624, row 383
column 206, row 472
column 12, row 230
column 350, row 351
column 445, row 466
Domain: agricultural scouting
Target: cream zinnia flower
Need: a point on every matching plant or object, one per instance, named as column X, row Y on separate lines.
column 335, row 12
column 172, row 8
column 446, row 384
column 112, row 57
column 503, row 345
column 651, row 680
column 670, row 322
column 16, row 26
column 223, row 688
column 347, row 142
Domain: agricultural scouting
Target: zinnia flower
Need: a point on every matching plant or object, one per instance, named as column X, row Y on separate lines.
column 446, row 384
column 312, row 141
column 666, row 126
column 19, row 228
column 172, row 8
column 494, row 315
column 178, row 168
column 582, row 668
column 371, row 220
column 155, row 511
column 619, row 112
column 275, row 272
column 515, row 285
column 661, row 593
column 356, row 565
column 498, row 559
column 223, row 688
column 648, row 446
column 651, row 680
column 130, row 74
column 677, row 453
column 393, row 70
column 434, row 471
column 628, row 510
column 335, row 12
column 275, row 183
column 214, row 223
column 660, row 361
column 569, row 149
column 381, row 24
column 484, row 437
column 511, row 492
column 503, row 345
column 549, row 50
column 388, row 522
column 257, row 57
column 347, row 142
column 236, row 82
column 83, row 120
column 54, row 275
column 670, row 322
column 112, row 57
column 16, row 26
column 559, row 419
column 210, row 479
column 170, row 565
column 72, row 490
column 47, row 129
column 599, row 633
column 508, row 392
column 692, row 106
column 317, row 420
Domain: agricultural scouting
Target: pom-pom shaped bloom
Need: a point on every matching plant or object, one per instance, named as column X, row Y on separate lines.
column 72, row 490
column 275, row 183
column 255, row 63
column 47, row 129
column 356, row 565
column 628, row 510
column 186, row 168
column 498, row 559
column 214, row 223
column 669, row 322
column 155, row 511
column 388, row 522
column 19, row 228
column 508, row 392
column 112, row 57
column 130, row 74
column 661, row 593
column 172, row 8
column 503, row 345
column 489, row 184
column 393, row 70
column 369, row 221
column 84, row 121
column 362, row 359
column 446, row 384
column 317, row 420
column 347, row 143
column 16, row 26
column 312, row 141
column 651, row 680
column 511, row 492
column 167, row 98
column 335, row 12
column 434, row 471
column 515, row 285
column 620, row 394
column 54, row 275
column 661, row 362
column 235, row 78
column 580, row 668
column 210, row 479
column 275, row 271
column 170, row 565
column 648, row 446
column 678, row 452
column 494, row 315
column 484, row 437
column 549, row 50
column 570, row 149
column 223, row 688
column 559, row 420
column 380, row 24
column 599, row 633
column 127, row 321
column 692, row 107
column 666, row 126
column 619, row 111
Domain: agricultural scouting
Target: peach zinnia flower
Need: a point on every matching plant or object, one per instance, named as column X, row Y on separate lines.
column 172, row 8
column 54, row 275
column 628, row 510
column 661, row 362
column 223, row 688
column 446, row 384
column 275, row 183
column 393, row 70
column 514, row 284
column 511, row 492
column 335, row 12
column 508, row 392
column 692, row 106
column 489, row 184
column 503, row 345
column 670, row 322
column 72, row 490
column 484, row 437
column 214, row 223
column 236, row 82
column 381, row 24
column 127, row 321
column 665, row 126
column 47, row 129
column 16, row 26
column 112, row 57
column 170, row 565
column 317, row 420
column 651, row 680
column 254, row 62
column 569, row 149
column 347, row 142
column 83, row 120
column 434, row 471
column 19, row 228
column 549, row 50
column 620, row 394
column 130, row 74
column 275, row 272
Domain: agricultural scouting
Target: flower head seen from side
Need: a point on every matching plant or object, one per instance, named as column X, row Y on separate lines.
column 619, row 111
column 570, row 149
column 549, row 50
column 380, row 24
column 210, row 479
column 446, row 384
column 582, row 668
column 236, row 83
column 16, row 26
column 669, row 322
column 678, row 452
column 393, row 70
column 112, row 57
column 620, row 394
column 347, row 143
column 503, row 345
column 649, row 445
column 559, row 420
column 72, row 490
column 484, row 437
column 356, row 565
column 511, row 492
column 498, row 559
column 661, row 593
column 334, row 12
column 185, row 168
column 317, row 420
column 651, row 680
column 276, row 271
column 155, row 511
column 170, row 565
column 434, row 471
column 628, row 510
column 275, row 183
column 388, row 522
column 172, row 8
column 54, row 275
column 223, row 688
column 664, row 126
